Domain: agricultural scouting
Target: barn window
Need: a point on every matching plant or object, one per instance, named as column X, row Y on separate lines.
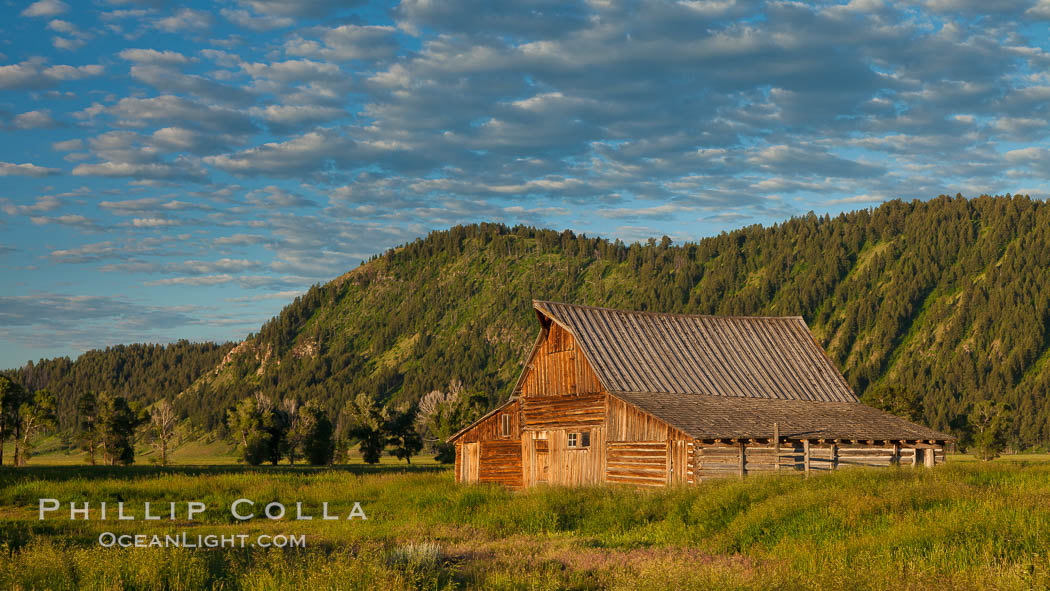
column 572, row 439
column 585, row 439
column 504, row 425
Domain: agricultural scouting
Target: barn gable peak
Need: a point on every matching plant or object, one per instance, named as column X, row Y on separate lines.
column 736, row 356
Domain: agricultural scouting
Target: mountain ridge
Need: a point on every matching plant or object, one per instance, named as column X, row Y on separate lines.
column 949, row 298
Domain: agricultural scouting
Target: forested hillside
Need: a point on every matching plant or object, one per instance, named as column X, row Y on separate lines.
column 948, row 298
column 140, row 373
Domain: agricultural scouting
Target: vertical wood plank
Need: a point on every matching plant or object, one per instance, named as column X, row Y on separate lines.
column 805, row 452
column 776, row 447
column 669, row 459
column 741, row 470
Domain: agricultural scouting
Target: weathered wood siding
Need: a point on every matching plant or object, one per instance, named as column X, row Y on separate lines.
column 680, row 453
column 558, row 368
column 469, row 460
column 496, row 455
column 490, row 429
column 715, row 460
column 563, row 411
column 546, row 425
column 547, row 457
column 627, row 423
column 500, row 462
column 641, row 463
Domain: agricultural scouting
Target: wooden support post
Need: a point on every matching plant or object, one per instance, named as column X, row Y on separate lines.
column 896, row 458
column 776, row 447
column 805, row 456
column 740, row 469
column 834, row 456
column 929, row 456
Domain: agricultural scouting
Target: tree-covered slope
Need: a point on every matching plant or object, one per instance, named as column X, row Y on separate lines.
column 141, row 373
column 949, row 298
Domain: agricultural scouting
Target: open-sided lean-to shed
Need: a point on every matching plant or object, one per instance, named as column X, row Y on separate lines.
column 655, row 399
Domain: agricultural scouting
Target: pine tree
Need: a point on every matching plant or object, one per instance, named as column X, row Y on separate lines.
column 367, row 426
column 117, row 422
column 401, row 434
column 35, row 417
column 317, row 443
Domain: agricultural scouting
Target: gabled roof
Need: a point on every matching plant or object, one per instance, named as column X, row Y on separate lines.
column 745, row 357
column 723, row 417
column 721, row 377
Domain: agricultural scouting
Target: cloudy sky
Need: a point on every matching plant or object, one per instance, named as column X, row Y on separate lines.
column 183, row 170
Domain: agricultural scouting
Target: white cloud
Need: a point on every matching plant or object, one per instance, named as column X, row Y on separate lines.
column 185, row 19
column 180, row 170
column 86, row 253
column 68, row 145
column 1041, row 9
column 46, row 8
column 288, row 117
column 240, row 240
column 43, row 204
column 27, row 169
column 154, row 222
column 858, row 199
column 196, row 281
column 287, row 295
column 300, row 8
column 35, row 120
column 32, row 74
column 152, row 56
column 171, row 110
column 300, row 156
column 74, row 220
column 277, row 198
column 62, row 26
column 254, row 22
column 348, row 42
column 294, row 71
column 67, row 43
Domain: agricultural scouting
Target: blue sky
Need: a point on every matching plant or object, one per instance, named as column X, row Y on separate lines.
column 183, row 170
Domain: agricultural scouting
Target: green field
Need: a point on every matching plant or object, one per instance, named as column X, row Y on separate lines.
column 966, row 525
column 205, row 451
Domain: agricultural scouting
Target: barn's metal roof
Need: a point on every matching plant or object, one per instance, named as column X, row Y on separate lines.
column 739, row 356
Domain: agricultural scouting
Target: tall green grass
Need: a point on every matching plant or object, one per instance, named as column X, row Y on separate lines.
column 960, row 526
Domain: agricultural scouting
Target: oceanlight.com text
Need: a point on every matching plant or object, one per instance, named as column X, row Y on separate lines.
column 186, row 540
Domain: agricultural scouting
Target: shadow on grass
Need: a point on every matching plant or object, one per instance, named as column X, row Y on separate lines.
column 9, row 475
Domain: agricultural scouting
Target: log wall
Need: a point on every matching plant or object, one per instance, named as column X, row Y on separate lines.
column 642, row 463
column 554, row 412
column 715, row 460
column 500, row 462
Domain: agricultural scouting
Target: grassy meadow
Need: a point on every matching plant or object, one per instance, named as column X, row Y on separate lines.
column 966, row 525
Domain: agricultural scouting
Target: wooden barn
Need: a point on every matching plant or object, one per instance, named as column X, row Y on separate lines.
column 657, row 399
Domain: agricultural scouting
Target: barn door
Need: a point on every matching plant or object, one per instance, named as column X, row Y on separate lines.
column 471, row 459
column 543, row 465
